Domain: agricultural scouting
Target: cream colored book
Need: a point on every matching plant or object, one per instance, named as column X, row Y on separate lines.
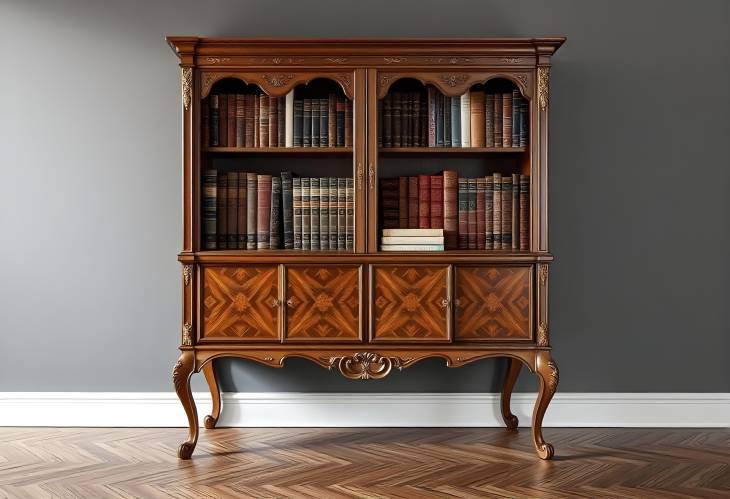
column 413, row 232
column 412, row 240
column 412, row 247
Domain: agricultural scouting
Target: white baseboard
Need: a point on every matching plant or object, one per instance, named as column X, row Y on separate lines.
column 359, row 410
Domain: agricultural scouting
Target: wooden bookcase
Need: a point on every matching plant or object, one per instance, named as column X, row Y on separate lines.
column 365, row 312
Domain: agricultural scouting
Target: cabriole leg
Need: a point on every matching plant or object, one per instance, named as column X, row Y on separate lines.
column 181, row 373
column 513, row 371
column 547, row 371
column 215, row 393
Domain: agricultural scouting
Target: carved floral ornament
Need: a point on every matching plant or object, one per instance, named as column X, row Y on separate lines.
column 453, row 79
column 553, row 377
column 186, row 81
column 365, row 365
column 278, row 80
column 543, row 86
column 543, row 339
column 187, row 334
column 187, row 273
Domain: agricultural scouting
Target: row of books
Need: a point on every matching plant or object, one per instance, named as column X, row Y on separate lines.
column 491, row 212
column 259, row 120
column 250, row 211
column 431, row 119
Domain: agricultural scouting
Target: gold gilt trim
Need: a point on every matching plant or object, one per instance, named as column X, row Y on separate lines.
column 359, row 175
column 278, row 80
column 187, row 334
column 365, row 365
column 543, row 86
column 553, row 378
column 543, row 272
column 187, row 273
column 453, row 79
column 186, row 80
column 543, row 339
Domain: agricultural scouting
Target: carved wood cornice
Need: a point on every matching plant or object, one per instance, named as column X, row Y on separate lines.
column 278, row 80
column 454, row 84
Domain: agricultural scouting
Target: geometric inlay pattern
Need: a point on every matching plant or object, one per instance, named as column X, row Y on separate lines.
column 240, row 302
column 409, row 303
column 323, row 302
column 492, row 302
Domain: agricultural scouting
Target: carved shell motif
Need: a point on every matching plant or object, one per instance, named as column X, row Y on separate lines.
column 177, row 378
column 453, row 79
column 278, row 80
column 553, row 377
column 365, row 365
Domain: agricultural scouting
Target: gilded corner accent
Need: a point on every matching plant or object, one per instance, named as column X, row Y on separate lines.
column 187, row 274
column 186, row 79
column 543, row 273
column 187, row 334
column 543, row 86
column 543, row 338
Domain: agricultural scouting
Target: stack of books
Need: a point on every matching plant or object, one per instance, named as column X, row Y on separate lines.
column 412, row 240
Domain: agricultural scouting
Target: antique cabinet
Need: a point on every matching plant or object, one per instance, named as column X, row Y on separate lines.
column 364, row 311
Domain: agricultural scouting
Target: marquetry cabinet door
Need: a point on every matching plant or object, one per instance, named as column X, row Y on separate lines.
column 323, row 303
column 410, row 303
column 493, row 302
column 240, row 303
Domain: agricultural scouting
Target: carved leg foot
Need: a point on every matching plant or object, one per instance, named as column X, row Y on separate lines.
column 513, row 371
column 184, row 368
column 215, row 393
column 547, row 370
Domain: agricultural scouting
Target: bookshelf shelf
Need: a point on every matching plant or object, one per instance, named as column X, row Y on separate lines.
column 364, row 312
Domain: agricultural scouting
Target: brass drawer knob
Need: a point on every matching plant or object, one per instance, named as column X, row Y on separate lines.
column 290, row 302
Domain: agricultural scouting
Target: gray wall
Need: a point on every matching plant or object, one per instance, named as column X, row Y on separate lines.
column 90, row 190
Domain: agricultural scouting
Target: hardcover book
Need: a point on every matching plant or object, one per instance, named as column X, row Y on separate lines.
column 263, row 211
column 332, row 120
column 497, row 120
column 307, row 123
column 241, row 208
column 455, row 121
column 210, row 207
column 412, row 202
column 333, row 212
column 249, row 114
column 214, row 121
column 289, row 120
column 232, row 203
column 507, row 212
column 478, row 134
column 348, row 123
column 341, row 121
column 524, row 122
column 240, row 121
column 437, row 202
column 315, row 122
column 287, row 208
column 463, row 213
column 465, row 115
column 524, row 212
column 264, row 125
column 231, row 119
column 297, row 204
column 507, row 120
column 516, row 110
column 481, row 212
column 403, row 202
column 515, row 210
column 350, row 213
column 222, row 211
column 251, row 205
column 222, row 120
column 489, row 212
column 297, row 126
column 439, row 119
column 395, row 110
column 424, row 202
column 281, row 121
column 432, row 116
column 489, row 125
column 256, row 120
column 341, row 213
column 387, row 121
column 324, row 214
column 306, row 215
column 274, row 224
column 451, row 210
column 314, row 213
column 471, row 214
column 324, row 123
column 497, row 210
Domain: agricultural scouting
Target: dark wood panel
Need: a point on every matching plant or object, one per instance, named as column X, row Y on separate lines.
column 492, row 302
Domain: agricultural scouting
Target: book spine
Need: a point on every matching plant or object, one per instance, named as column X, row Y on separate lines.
column 273, row 122
column 451, row 210
column 489, row 125
column 498, row 120
column 477, row 120
column 289, row 120
column 210, row 207
column 263, row 123
column 341, row 121
column 507, row 211
column 251, row 205
column 324, row 123
column 205, row 121
column 497, row 211
column 524, row 212
column 489, row 212
column 315, row 122
column 332, row 120
column 214, row 121
column 307, row 123
column 456, row 122
column 481, row 213
column 432, row 116
column 390, row 203
column 387, row 121
column 348, row 123
column 256, row 120
column 341, row 213
column 424, row 202
column 232, row 203
column 314, row 213
column 417, row 120
column 465, row 115
column 405, row 114
column 471, row 214
column 417, row 233
column 411, row 240
column 275, row 216
column 297, row 204
column 263, row 211
column 333, row 211
column 437, row 202
column 240, row 121
column 424, row 119
column 222, row 211
column 507, row 119
column 298, row 126
column 287, row 209
column 440, row 119
column 524, row 122
column 515, row 210
column 324, row 214
column 403, row 202
column 516, row 106
column 281, row 121
column 412, row 202
column 463, row 213
column 231, row 119
column 396, row 110
column 412, row 247
column 447, row 121
column 241, row 208
column 249, row 113
column 222, row 120
column 306, row 215
column 350, row 213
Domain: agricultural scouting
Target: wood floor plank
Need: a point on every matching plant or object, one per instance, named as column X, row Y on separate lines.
column 369, row 462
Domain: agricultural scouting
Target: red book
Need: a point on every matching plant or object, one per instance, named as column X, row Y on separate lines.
column 256, row 120
column 263, row 120
column 463, row 198
column 263, row 210
column 471, row 217
column 273, row 122
column 451, row 210
column 348, row 123
column 412, row 202
column 481, row 212
column 222, row 120
column 424, row 202
column 248, row 104
column 231, row 118
column 403, row 202
column 437, row 202
column 240, row 120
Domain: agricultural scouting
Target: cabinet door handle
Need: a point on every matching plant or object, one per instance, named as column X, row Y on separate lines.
column 445, row 302
column 290, row 302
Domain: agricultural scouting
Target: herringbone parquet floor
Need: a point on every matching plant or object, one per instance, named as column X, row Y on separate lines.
column 324, row 463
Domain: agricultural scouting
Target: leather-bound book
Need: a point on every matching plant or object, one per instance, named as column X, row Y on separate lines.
column 507, row 119
column 263, row 211
column 489, row 120
column 222, row 120
column 289, row 119
column 396, row 110
column 281, row 121
column 332, row 120
column 497, row 210
column 314, row 213
column 256, row 120
column 350, row 213
column 471, row 213
column 287, row 208
column 451, row 210
column 497, row 120
column 481, row 213
column 489, row 212
column 463, row 196
column 273, row 122
column 348, row 123
column 232, row 215
column 333, row 211
column 440, row 99
column 307, row 123
column 214, row 120
column 231, row 118
column 240, row 120
column 387, row 121
column 437, row 202
column 465, row 115
column 524, row 122
column 524, row 212
column 455, row 121
column 210, row 206
column 222, row 211
column 251, row 206
column 275, row 217
column 424, row 201
column 432, row 115
column 298, row 125
column 516, row 106
column 515, row 210
column 306, row 215
column 341, row 106
column 341, row 213
column 205, row 122
column 297, row 204
column 406, row 115
column 324, row 117
column 324, row 214
column 412, row 202
column 249, row 115
column 478, row 134
column 241, row 210
column 424, row 120
column 416, row 120
column 447, row 121
column 264, row 122
column 315, row 122
column 403, row 202
column 507, row 212
column 390, row 202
